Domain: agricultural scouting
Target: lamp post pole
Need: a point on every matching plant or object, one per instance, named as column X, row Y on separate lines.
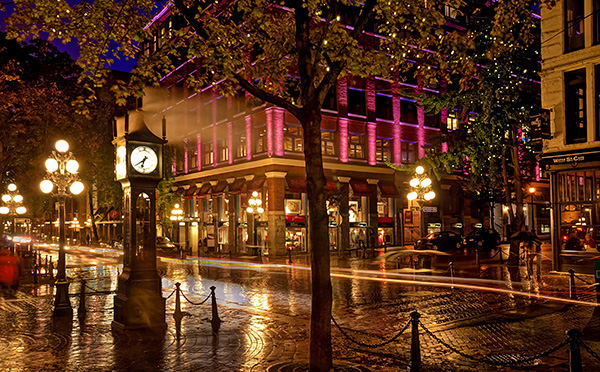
column 255, row 208
column 62, row 169
column 531, row 193
column 420, row 191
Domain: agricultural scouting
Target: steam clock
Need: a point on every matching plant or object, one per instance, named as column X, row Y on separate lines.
column 139, row 304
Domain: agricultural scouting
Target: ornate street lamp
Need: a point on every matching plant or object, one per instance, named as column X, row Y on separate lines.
column 12, row 203
column 421, row 191
column 177, row 217
column 255, row 209
column 62, row 180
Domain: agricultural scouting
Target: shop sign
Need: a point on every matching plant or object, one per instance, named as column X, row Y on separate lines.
column 262, row 223
column 295, row 218
column 385, row 220
column 113, row 214
column 430, row 209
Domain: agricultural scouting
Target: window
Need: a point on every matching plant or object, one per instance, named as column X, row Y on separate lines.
column 261, row 140
column 239, row 101
column 357, row 102
column 221, row 109
column 450, row 12
column 292, row 138
column 574, row 37
column 575, row 119
column 432, row 121
column 383, row 150
column 384, row 107
column 193, row 154
column 408, row 152
column 356, row 147
column 330, row 102
column 596, row 21
column 223, row 149
column 452, row 121
column 207, row 113
column 328, row 143
column 241, row 148
column 207, row 149
column 408, row 112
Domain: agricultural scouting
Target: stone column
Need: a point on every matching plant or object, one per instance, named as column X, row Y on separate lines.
column 232, row 218
column 344, row 209
column 373, row 216
column 276, row 212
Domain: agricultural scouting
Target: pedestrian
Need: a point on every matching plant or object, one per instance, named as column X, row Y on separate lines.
column 10, row 271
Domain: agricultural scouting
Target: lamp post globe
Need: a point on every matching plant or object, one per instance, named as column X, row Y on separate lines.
column 11, row 187
column 421, row 191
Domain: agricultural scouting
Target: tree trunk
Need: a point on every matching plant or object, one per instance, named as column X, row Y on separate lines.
column 92, row 219
column 320, row 317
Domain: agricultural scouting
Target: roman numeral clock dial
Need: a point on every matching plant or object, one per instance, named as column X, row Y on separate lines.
column 144, row 159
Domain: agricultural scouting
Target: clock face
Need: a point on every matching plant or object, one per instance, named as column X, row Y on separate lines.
column 144, row 159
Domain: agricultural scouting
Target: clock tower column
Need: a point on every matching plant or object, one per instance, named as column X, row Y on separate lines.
column 139, row 304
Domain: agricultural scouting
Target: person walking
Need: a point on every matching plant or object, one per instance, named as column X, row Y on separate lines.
column 10, row 272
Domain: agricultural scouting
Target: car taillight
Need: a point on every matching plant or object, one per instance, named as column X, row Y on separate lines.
column 565, row 238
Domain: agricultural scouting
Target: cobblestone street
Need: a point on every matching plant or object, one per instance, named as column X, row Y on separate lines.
column 265, row 313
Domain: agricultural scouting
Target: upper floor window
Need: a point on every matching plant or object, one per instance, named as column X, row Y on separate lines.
column 408, row 112
column 452, row 121
column 357, row 102
column 574, row 36
column 221, row 109
column 223, row 149
column 356, row 147
column 241, row 148
column 261, row 140
column 575, row 118
column 384, row 107
column 432, row 121
column 330, row 102
column 292, row 138
column 193, row 158
column 408, row 152
column 450, row 12
column 383, row 149
column 328, row 143
column 239, row 101
column 207, row 149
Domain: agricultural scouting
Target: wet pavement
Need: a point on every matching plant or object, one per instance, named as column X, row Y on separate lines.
column 475, row 317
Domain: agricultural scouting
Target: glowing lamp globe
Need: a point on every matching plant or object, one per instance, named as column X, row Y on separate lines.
column 18, row 198
column 4, row 210
column 12, row 187
column 61, row 146
column 411, row 195
column 260, row 210
column 72, row 166
column 420, row 169
column 46, row 186
column 414, row 182
column 426, row 182
column 249, row 210
column 254, row 194
column 51, row 165
column 76, row 188
column 21, row 210
column 6, row 198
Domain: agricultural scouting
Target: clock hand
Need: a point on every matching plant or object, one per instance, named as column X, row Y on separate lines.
column 143, row 160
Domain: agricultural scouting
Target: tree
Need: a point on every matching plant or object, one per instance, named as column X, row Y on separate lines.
column 490, row 149
column 287, row 53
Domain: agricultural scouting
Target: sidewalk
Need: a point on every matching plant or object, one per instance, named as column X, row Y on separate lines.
column 256, row 337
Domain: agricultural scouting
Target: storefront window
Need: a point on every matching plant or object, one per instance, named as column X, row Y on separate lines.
column 292, row 139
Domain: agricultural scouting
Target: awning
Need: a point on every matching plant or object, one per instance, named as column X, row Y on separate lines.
column 205, row 189
column 219, row 187
column 360, row 188
column 236, row 186
column 388, row 190
column 256, row 183
column 298, row 184
column 191, row 192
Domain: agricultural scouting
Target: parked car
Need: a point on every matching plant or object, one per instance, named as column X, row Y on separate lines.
column 440, row 241
column 165, row 244
column 484, row 238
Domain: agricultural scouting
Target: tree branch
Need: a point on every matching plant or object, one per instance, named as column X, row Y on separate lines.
column 268, row 97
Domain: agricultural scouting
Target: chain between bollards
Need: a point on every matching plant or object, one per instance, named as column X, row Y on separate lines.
column 415, row 347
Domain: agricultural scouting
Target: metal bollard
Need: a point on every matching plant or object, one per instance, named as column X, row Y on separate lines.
column 501, row 253
column 35, row 270
column 574, row 352
column 572, row 292
column 452, row 273
column 51, row 269
column 289, row 256
column 215, row 314
column 415, row 347
column 81, row 310
column 477, row 258
column 177, row 314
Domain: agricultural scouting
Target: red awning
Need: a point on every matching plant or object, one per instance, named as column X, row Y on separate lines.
column 298, row 184
column 189, row 193
column 220, row 187
column 205, row 189
column 388, row 190
column 236, row 186
column 360, row 188
column 256, row 183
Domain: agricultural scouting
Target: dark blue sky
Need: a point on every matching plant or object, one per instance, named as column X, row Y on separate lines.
column 72, row 48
